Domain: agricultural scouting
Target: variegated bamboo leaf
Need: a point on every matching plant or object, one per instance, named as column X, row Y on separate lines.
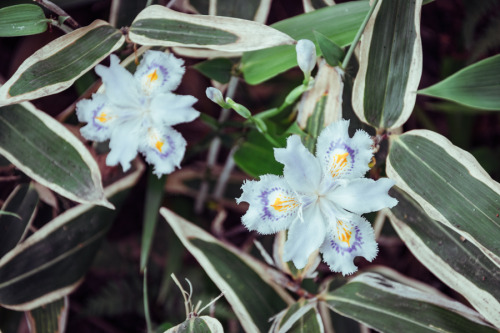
column 22, row 201
column 52, row 262
column 49, row 153
column 391, row 307
column 390, row 60
column 246, row 283
column 58, row 64
column 456, row 262
column 203, row 324
column 49, row 318
column 302, row 316
column 158, row 25
column 450, row 185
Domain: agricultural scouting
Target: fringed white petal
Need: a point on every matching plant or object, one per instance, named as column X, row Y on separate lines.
column 163, row 149
column 120, row 86
column 345, row 241
column 302, row 170
column 98, row 116
column 340, row 156
column 273, row 204
column 305, row 236
column 123, row 144
column 159, row 72
column 363, row 195
column 170, row 109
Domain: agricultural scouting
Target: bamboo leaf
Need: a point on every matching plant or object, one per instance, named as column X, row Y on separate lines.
column 49, row 318
column 338, row 23
column 51, row 263
column 388, row 306
column 58, row 64
column 332, row 53
column 450, row 185
column 390, row 64
column 22, row 201
column 476, row 86
column 49, row 153
column 22, row 20
column 246, row 283
column 203, row 324
column 218, row 69
column 302, row 316
column 158, row 25
column 456, row 262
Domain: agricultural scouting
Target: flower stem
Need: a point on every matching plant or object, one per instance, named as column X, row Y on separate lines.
column 358, row 35
column 59, row 11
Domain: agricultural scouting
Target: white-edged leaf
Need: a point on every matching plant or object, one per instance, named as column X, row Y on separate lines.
column 158, row 25
column 58, row 64
column 450, row 185
column 246, row 283
column 390, row 68
column 391, row 307
column 49, row 153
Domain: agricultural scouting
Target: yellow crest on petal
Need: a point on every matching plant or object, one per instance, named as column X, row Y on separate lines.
column 344, row 233
column 283, row 203
column 339, row 162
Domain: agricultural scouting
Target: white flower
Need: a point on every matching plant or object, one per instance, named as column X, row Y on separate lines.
column 320, row 199
column 136, row 112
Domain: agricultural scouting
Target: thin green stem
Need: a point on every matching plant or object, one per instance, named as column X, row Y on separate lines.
column 146, row 302
column 358, row 35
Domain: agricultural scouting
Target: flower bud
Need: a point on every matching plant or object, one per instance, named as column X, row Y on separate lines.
column 215, row 96
column 306, row 56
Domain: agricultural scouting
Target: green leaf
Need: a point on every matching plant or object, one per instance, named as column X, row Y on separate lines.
column 338, row 23
column 302, row 316
column 158, row 25
column 50, row 318
column 450, row 185
column 49, row 153
column 51, row 263
column 458, row 263
column 391, row 64
column 332, row 53
column 58, row 64
column 22, row 20
column 476, row 86
column 218, row 69
column 256, row 156
column 154, row 197
column 388, row 306
column 203, row 324
column 22, row 202
column 254, row 10
column 246, row 284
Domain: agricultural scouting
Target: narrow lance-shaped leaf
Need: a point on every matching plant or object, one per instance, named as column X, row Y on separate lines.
column 50, row 154
column 22, row 20
column 158, row 25
column 51, row 263
column 339, row 23
column 22, row 201
column 58, row 64
column 203, row 324
column 450, row 185
column 388, row 306
column 246, row 283
column 390, row 60
column 302, row 316
column 476, row 86
column 49, row 318
column 458, row 263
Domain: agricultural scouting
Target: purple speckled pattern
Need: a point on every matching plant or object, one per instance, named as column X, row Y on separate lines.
column 355, row 246
column 171, row 146
column 94, row 116
column 264, row 200
column 340, row 145
column 162, row 69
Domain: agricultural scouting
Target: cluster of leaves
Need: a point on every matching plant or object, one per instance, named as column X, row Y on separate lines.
column 448, row 211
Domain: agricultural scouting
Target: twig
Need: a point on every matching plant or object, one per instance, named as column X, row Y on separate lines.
column 59, row 11
column 358, row 35
column 61, row 26
column 213, row 151
column 146, row 302
column 226, row 172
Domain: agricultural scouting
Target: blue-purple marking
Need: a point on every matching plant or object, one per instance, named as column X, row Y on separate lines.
column 171, row 146
column 341, row 145
column 264, row 199
column 95, row 113
column 357, row 244
column 162, row 69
